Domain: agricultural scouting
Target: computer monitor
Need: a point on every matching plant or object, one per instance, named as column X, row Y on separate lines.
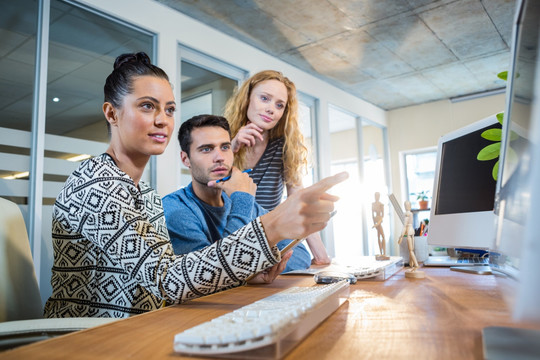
column 516, row 250
column 464, row 190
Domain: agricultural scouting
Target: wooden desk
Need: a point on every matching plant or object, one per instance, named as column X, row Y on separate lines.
column 439, row 317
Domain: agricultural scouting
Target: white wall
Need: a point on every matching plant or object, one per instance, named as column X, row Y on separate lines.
column 344, row 144
column 173, row 27
column 421, row 126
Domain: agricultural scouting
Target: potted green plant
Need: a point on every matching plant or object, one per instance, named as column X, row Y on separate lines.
column 422, row 198
column 491, row 152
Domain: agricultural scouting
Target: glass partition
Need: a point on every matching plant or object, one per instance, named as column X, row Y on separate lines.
column 81, row 51
column 75, row 126
column 18, row 30
column 360, row 148
column 82, row 48
column 344, row 139
column 308, row 121
column 375, row 182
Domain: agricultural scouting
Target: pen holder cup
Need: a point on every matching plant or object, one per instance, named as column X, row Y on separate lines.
column 421, row 249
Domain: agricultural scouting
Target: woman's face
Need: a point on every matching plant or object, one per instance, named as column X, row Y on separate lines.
column 267, row 103
column 145, row 121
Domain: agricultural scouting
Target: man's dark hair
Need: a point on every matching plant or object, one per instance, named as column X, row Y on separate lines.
column 198, row 121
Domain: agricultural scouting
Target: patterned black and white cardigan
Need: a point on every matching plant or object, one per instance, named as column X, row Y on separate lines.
column 113, row 257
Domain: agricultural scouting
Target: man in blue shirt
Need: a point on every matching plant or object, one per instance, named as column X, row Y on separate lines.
column 205, row 211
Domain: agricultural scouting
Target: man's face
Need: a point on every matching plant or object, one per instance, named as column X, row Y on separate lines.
column 211, row 157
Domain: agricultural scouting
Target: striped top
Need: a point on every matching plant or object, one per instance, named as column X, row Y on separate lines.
column 268, row 175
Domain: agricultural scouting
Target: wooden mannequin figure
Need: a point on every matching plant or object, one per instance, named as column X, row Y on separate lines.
column 408, row 232
column 377, row 212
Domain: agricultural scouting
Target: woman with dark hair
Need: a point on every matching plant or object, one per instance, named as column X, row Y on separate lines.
column 112, row 254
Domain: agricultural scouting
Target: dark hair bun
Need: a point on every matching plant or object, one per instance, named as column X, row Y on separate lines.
column 127, row 67
column 139, row 57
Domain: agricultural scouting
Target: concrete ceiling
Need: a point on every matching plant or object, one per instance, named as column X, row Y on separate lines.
column 391, row 53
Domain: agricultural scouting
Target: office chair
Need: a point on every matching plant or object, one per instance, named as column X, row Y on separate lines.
column 21, row 311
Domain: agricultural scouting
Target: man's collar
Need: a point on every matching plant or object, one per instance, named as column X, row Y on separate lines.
column 210, row 196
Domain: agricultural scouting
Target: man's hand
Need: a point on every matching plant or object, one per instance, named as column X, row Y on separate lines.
column 239, row 181
column 246, row 136
column 303, row 213
column 268, row 275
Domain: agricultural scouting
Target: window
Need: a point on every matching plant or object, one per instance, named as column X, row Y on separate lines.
column 419, row 170
column 207, row 84
column 420, row 173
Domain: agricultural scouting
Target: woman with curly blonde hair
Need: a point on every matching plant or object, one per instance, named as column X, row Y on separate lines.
column 264, row 121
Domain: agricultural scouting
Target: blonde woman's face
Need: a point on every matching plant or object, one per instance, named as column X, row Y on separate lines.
column 267, row 104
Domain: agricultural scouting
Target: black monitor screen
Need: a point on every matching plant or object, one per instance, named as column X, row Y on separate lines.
column 466, row 184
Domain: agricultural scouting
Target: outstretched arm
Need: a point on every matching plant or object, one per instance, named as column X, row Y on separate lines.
column 314, row 241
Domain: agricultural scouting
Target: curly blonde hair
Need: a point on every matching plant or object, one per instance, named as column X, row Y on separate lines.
column 294, row 151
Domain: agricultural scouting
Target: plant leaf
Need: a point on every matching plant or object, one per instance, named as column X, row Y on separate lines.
column 500, row 117
column 495, row 171
column 492, row 134
column 503, row 75
column 490, row 152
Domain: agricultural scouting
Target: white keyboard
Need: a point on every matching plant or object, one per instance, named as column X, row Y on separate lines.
column 367, row 267
column 362, row 267
column 268, row 328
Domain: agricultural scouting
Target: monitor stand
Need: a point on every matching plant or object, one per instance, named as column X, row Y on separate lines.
column 476, row 269
column 501, row 343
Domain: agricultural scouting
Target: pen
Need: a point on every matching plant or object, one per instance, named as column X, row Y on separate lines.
column 228, row 177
